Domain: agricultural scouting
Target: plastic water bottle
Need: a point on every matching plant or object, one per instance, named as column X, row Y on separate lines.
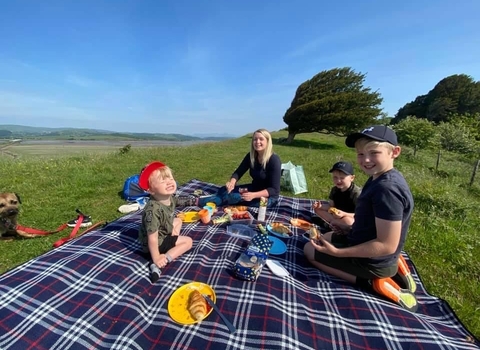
column 262, row 209
column 155, row 272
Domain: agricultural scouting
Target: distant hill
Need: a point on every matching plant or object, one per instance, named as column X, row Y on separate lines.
column 30, row 132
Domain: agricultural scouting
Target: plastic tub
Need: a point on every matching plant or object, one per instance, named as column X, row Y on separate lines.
column 245, row 221
column 240, row 231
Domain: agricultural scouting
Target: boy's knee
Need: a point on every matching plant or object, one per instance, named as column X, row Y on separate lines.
column 308, row 251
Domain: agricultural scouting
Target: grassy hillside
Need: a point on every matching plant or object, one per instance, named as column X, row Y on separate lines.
column 443, row 240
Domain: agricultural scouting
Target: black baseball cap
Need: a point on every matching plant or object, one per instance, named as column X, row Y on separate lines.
column 376, row 132
column 344, row 167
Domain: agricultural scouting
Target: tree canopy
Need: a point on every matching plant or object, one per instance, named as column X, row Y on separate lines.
column 415, row 132
column 332, row 102
column 456, row 94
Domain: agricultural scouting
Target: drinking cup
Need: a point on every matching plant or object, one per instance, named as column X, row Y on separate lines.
column 213, row 205
column 204, row 216
column 209, row 208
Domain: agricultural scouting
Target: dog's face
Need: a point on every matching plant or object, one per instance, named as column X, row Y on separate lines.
column 9, row 204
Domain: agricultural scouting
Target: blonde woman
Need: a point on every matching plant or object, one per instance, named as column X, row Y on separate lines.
column 264, row 167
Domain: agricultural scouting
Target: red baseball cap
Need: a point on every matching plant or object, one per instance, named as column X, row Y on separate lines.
column 146, row 172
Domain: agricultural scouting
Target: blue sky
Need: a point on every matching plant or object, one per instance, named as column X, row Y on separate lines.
column 217, row 67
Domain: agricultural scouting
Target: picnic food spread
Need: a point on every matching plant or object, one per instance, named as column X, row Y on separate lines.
column 189, row 216
column 314, row 234
column 278, row 227
column 179, row 302
column 262, row 228
column 303, row 224
column 334, row 211
column 235, row 209
column 197, row 305
column 240, row 215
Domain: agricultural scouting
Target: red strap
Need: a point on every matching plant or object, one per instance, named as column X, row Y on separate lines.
column 61, row 241
column 74, row 232
column 72, row 235
column 40, row 232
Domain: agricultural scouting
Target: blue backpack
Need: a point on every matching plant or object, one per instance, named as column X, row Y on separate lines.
column 131, row 189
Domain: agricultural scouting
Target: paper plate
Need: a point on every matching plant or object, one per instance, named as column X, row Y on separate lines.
column 190, row 216
column 270, row 229
column 277, row 268
column 278, row 247
column 177, row 305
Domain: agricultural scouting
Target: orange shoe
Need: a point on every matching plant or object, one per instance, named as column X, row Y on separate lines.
column 404, row 277
column 389, row 289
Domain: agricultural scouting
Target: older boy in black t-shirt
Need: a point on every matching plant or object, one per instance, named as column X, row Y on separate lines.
column 369, row 255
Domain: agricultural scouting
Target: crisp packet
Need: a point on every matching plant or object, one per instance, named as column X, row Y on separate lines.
column 250, row 263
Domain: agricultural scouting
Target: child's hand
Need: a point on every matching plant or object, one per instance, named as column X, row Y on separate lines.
column 324, row 246
column 317, row 205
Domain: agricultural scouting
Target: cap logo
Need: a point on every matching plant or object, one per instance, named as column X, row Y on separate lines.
column 370, row 129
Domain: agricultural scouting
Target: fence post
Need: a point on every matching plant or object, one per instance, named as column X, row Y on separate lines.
column 475, row 168
column 438, row 160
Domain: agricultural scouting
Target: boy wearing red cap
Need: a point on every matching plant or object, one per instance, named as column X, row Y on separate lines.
column 369, row 254
column 160, row 229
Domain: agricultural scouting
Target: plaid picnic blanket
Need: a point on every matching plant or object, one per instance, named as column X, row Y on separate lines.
column 95, row 293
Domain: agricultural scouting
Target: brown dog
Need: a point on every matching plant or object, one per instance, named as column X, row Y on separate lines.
column 9, row 208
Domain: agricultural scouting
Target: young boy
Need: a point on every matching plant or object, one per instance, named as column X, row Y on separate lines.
column 371, row 257
column 343, row 197
column 159, row 232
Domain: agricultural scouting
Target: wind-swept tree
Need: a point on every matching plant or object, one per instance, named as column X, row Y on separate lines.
column 332, row 102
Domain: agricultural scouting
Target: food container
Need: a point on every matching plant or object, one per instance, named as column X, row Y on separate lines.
column 240, row 231
column 242, row 217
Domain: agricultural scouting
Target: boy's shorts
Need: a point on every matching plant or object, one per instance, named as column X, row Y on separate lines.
column 168, row 243
column 354, row 266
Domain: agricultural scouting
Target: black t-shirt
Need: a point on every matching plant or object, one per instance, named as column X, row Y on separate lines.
column 262, row 179
column 389, row 198
column 346, row 200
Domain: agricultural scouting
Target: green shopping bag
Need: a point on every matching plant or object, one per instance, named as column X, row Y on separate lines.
column 293, row 178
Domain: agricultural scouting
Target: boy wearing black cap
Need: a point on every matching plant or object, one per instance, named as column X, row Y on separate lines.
column 372, row 256
column 342, row 198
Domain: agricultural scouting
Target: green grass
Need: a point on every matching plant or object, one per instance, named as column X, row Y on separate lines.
column 443, row 239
